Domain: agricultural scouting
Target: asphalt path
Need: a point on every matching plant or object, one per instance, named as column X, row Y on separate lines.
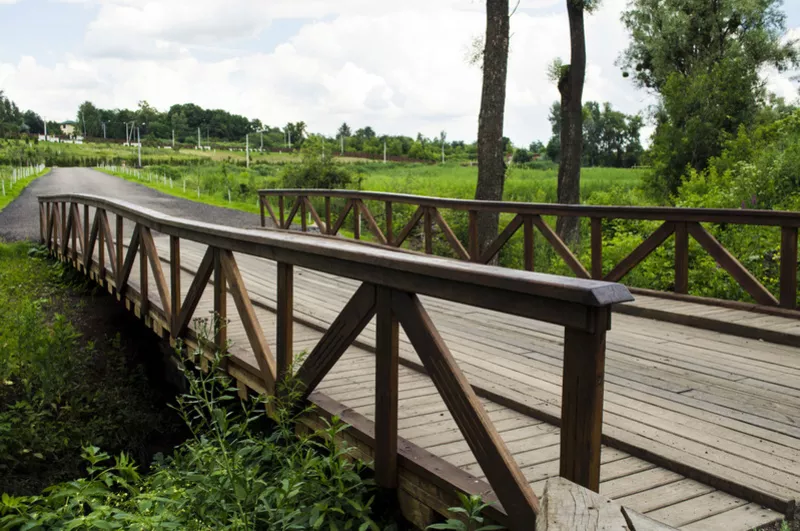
column 20, row 219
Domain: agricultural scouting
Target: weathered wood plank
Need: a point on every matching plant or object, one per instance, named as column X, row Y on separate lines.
column 386, row 390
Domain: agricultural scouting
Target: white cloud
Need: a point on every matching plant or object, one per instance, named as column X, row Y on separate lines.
column 398, row 67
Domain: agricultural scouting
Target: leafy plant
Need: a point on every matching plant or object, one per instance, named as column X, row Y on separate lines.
column 470, row 513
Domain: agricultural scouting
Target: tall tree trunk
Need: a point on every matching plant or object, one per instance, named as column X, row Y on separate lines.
column 571, row 88
column 491, row 159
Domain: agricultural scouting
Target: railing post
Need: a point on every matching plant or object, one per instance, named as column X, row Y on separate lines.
column 474, row 252
column 120, row 248
column 428, row 229
column 261, row 207
column 788, row 284
column 327, row 215
column 101, row 245
column 281, row 210
column 303, row 214
column 386, row 390
column 285, row 320
column 597, row 248
column 143, row 279
column 73, row 210
column 175, row 283
column 582, row 401
column 220, row 304
column 47, row 215
column 41, row 222
column 356, row 219
column 389, row 223
column 63, row 225
column 86, row 234
column 528, row 241
column 681, row 257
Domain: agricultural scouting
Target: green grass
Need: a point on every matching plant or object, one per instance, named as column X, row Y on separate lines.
column 13, row 191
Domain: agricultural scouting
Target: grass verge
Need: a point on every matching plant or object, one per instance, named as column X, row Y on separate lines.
column 12, row 192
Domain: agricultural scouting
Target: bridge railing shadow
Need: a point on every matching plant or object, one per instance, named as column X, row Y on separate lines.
column 78, row 229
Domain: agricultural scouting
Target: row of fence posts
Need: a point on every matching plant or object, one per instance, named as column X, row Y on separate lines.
column 17, row 174
column 148, row 176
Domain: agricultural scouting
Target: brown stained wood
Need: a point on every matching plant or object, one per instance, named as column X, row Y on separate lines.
column 641, row 252
column 88, row 253
column 175, row 282
column 280, row 210
column 320, row 225
column 195, row 292
column 788, row 283
column 428, row 230
column 285, row 320
column 303, row 213
column 561, row 248
column 528, row 243
column 730, row 264
column 389, row 223
column 144, row 283
column 48, row 230
column 158, row 273
column 119, row 243
column 340, row 335
column 265, row 204
column 68, row 219
column 386, row 390
column 474, row 251
column 347, row 207
column 255, row 335
column 43, row 223
column 327, row 215
column 76, row 223
column 101, row 245
column 292, row 213
column 681, row 258
column 261, row 211
column 408, row 228
column 372, row 225
column 501, row 240
column 85, row 242
column 127, row 267
column 451, row 237
column 494, row 458
column 582, row 402
column 79, row 234
column 220, row 303
column 356, row 220
column 109, row 240
column 597, row 247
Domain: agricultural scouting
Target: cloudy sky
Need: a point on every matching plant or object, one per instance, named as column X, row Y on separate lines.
column 398, row 66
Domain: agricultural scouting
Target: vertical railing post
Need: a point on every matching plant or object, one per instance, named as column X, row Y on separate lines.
column 86, row 235
column 261, row 208
column 63, row 225
column 101, row 246
column 681, row 257
column 285, row 320
column 428, row 229
column 473, row 236
column 303, row 214
column 175, row 283
column 582, row 401
column 597, row 248
column 281, row 211
column 788, row 284
column 120, row 249
column 41, row 222
column 327, row 215
column 73, row 211
column 143, row 279
column 220, row 304
column 386, row 390
column 356, row 219
column 47, row 214
column 389, row 223
column 528, row 249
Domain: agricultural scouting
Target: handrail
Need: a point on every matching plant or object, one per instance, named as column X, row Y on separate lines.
column 390, row 289
column 680, row 222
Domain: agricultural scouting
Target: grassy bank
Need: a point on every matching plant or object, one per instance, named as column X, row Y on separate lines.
column 10, row 190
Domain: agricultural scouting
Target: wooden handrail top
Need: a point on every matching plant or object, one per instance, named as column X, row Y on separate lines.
column 560, row 300
column 704, row 215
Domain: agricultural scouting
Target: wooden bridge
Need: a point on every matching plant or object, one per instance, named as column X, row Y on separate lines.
column 455, row 375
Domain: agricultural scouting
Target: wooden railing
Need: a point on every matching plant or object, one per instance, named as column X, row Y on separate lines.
column 73, row 226
column 680, row 222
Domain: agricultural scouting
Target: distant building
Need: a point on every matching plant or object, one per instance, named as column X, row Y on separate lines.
column 68, row 127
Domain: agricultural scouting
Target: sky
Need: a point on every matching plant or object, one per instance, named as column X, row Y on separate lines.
column 399, row 67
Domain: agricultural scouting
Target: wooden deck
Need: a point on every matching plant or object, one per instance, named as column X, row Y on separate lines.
column 701, row 429
column 723, row 409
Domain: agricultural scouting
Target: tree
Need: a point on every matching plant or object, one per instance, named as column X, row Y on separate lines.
column 536, row 147
column 33, row 123
column 703, row 60
column 570, row 79
column 491, row 159
column 89, row 120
